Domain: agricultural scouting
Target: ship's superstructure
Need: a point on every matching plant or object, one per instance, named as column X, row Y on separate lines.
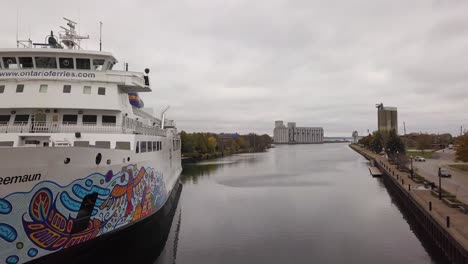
column 79, row 155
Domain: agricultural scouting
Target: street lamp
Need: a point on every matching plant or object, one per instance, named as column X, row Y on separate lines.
column 440, row 185
column 397, row 160
column 412, row 171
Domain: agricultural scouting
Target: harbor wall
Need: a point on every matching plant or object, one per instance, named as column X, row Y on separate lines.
column 450, row 247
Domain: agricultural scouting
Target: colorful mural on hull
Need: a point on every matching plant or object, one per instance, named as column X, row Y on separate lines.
column 42, row 221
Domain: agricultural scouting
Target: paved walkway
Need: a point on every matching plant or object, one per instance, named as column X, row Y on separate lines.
column 457, row 184
column 458, row 220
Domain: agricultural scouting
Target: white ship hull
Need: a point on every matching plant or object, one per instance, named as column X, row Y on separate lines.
column 40, row 195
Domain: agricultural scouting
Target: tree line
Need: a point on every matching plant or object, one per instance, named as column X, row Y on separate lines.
column 210, row 145
column 462, row 147
column 388, row 142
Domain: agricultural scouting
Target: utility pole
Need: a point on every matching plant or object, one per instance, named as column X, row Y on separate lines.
column 404, row 127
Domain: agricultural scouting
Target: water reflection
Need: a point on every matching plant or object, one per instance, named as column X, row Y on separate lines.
column 293, row 204
column 148, row 243
column 193, row 172
column 169, row 252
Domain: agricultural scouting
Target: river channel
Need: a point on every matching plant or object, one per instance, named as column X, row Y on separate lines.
column 292, row 204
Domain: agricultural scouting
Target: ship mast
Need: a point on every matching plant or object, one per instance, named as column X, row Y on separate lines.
column 69, row 37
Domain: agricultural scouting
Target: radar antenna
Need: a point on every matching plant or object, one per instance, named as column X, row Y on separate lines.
column 69, row 37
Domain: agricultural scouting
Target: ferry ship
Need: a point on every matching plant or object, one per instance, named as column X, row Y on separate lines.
column 85, row 169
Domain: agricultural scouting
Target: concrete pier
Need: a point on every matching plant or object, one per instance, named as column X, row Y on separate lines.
column 375, row 172
column 446, row 226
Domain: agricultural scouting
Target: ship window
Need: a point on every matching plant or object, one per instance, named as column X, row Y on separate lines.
column 70, row 119
column 67, row 89
column 43, row 88
column 101, row 91
column 111, row 65
column 19, row 119
column 89, row 119
column 10, row 63
column 66, row 63
column 26, row 62
column 46, row 63
column 81, row 143
column 4, row 119
column 19, row 88
column 154, row 146
column 103, row 144
column 6, row 143
column 84, row 214
column 143, row 146
column 87, row 89
column 108, row 120
column 150, row 146
column 97, row 64
column 122, row 145
column 137, row 149
column 83, row 64
column 2, row 88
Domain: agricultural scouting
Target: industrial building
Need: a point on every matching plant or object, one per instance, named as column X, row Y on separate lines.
column 387, row 118
column 291, row 134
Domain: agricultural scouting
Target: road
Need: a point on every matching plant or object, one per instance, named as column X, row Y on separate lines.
column 457, row 184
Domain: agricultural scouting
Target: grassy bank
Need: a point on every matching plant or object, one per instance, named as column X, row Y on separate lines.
column 461, row 167
column 425, row 154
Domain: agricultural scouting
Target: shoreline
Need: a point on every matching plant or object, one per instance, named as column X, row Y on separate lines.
column 211, row 156
column 442, row 224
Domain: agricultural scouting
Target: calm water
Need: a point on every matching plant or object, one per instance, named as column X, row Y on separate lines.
column 293, row 204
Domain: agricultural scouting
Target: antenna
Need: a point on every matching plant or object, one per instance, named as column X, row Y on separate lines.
column 69, row 37
column 17, row 22
column 100, row 35
column 163, row 116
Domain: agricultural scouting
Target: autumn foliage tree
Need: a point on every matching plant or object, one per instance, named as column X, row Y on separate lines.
column 424, row 141
column 462, row 150
column 377, row 143
column 199, row 144
column 394, row 144
column 366, row 141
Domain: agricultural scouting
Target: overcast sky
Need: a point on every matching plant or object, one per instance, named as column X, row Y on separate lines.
column 236, row 66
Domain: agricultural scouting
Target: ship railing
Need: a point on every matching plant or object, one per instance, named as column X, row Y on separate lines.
column 54, row 127
column 143, row 114
column 169, row 123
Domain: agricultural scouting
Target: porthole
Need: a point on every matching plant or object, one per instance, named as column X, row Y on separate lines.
column 98, row 158
column 128, row 159
column 108, row 162
column 66, row 161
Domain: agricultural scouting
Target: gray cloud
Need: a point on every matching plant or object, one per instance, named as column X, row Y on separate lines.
column 239, row 65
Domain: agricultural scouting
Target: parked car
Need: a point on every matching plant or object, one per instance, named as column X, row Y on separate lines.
column 418, row 158
column 445, row 173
